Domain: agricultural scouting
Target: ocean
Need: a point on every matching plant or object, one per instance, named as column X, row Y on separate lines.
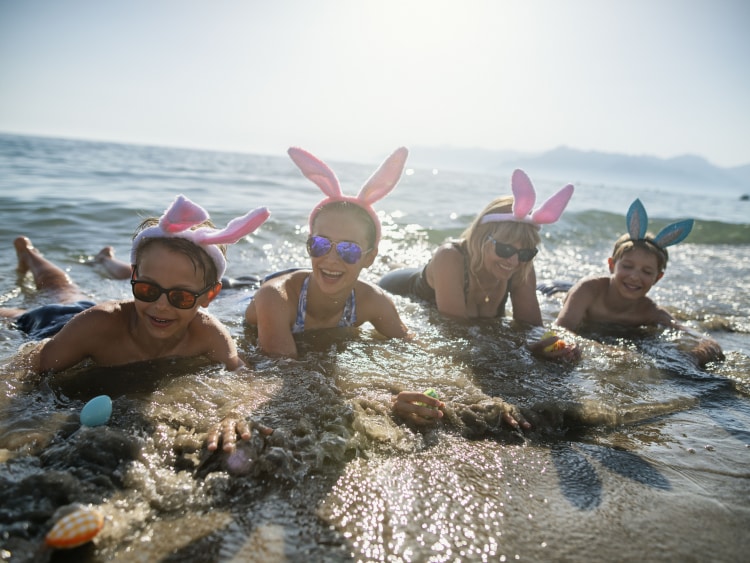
column 636, row 454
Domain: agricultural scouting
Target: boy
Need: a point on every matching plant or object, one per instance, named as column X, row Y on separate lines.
column 638, row 261
column 177, row 261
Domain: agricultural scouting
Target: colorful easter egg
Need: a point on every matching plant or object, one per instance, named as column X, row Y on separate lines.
column 97, row 411
column 75, row 529
column 430, row 393
column 556, row 345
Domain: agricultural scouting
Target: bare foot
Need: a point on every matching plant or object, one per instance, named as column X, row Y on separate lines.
column 106, row 253
column 23, row 249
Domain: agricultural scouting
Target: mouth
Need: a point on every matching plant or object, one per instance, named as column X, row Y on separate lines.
column 331, row 274
column 159, row 322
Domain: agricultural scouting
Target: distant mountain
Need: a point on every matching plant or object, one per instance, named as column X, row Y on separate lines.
column 573, row 165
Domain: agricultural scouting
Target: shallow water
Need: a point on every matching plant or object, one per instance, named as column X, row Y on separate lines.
column 635, row 453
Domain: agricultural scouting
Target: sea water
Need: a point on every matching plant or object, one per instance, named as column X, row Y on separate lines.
column 635, row 454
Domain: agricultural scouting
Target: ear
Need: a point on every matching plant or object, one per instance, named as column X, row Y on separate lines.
column 637, row 220
column 611, row 263
column 317, row 171
column 524, row 195
column 659, row 276
column 551, row 210
column 182, row 215
column 368, row 260
column 674, row 233
column 385, row 178
column 211, row 294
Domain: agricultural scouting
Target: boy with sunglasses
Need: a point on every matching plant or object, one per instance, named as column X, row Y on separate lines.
column 491, row 262
column 177, row 262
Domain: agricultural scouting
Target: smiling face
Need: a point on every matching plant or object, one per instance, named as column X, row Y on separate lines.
column 330, row 271
column 170, row 270
column 635, row 273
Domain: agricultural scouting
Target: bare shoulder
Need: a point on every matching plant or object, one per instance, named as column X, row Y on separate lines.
column 446, row 260
column 592, row 286
column 282, row 286
column 448, row 254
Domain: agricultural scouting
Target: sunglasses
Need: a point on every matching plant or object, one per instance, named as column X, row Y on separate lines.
column 507, row 250
column 178, row 298
column 350, row 252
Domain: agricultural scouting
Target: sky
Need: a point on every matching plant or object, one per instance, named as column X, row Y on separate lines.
column 351, row 79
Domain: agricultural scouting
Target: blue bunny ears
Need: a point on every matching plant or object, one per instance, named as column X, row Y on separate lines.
column 671, row 234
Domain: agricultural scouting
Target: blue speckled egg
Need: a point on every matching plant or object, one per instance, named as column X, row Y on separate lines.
column 97, row 411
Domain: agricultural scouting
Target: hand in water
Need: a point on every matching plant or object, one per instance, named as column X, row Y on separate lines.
column 229, row 428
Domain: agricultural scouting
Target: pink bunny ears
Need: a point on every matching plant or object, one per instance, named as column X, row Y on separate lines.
column 184, row 214
column 671, row 234
column 380, row 184
column 524, row 197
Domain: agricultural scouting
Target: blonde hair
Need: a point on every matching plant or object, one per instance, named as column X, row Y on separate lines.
column 475, row 236
column 625, row 244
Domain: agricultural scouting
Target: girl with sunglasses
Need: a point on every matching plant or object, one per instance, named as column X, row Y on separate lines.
column 491, row 263
column 177, row 262
column 344, row 237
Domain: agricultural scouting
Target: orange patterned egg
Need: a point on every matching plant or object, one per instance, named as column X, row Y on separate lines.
column 75, row 528
column 556, row 345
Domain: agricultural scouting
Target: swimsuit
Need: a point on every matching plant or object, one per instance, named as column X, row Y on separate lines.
column 348, row 317
column 47, row 320
column 412, row 282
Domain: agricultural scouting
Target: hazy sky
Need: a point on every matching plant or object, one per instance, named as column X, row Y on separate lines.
column 350, row 79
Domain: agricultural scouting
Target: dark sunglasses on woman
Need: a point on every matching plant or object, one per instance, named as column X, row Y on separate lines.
column 507, row 250
column 350, row 252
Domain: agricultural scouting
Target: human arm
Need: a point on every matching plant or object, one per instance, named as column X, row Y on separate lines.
column 221, row 348
column 577, row 303
column 704, row 350
column 524, row 301
column 376, row 307
column 82, row 337
column 269, row 312
column 445, row 274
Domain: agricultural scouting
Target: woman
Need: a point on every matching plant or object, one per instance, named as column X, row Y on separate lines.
column 492, row 262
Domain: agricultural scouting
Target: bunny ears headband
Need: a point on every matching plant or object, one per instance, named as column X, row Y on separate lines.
column 524, row 197
column 671, row 234
column 380, row 184
column 184, row 214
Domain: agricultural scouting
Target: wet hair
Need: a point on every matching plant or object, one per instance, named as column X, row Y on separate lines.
column 352, row 209
column 197, row 256
column 625, row 244
column 475, row 236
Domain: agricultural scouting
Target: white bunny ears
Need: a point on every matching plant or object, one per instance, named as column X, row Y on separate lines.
column 184, row 214
column 671, row 234
column 380, row 184
column 524, row 197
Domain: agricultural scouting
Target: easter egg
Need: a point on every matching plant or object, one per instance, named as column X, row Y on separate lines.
column 97, row 411
column 556, row 345
column 75, row 529
column 430, row 393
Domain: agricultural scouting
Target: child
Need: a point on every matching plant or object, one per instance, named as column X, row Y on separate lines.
column 638, row 261
column 344, row 237
column 177, row 262
column 492, row 262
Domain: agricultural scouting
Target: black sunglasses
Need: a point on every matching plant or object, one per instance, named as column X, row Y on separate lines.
column 350, row 252
column 507, row 250
column 178, row 298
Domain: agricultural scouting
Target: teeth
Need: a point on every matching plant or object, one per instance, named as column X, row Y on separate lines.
column 334, row 274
